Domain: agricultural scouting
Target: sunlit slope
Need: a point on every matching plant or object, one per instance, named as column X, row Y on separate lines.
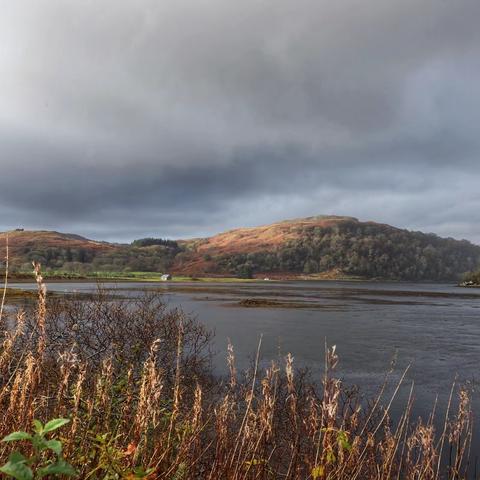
column 321, row 246
column 329, row 246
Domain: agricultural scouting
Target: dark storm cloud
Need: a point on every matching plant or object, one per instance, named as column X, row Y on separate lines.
column 130, row 118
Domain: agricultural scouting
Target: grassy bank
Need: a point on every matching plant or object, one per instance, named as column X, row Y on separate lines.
column 58, row 275
column 157, row 277
column 140, row 276
column 133, row 379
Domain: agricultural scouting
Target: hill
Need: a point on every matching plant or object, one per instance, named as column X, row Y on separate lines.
column 43, row 245
column 62, row 252
column 327, row 246
column 330, row 244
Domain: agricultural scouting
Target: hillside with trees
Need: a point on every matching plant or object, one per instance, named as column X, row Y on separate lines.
column 74, row 254
column 311, row 246
column 364, row 250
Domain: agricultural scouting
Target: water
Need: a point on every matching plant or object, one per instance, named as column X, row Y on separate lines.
column 433, row 328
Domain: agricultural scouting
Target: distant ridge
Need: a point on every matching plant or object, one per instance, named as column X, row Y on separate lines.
column 322, row 246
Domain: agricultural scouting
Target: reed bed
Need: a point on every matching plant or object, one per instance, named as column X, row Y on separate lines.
column 135, row 381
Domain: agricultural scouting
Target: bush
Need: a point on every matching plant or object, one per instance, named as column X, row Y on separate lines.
column 133, row 377
column 46, row 458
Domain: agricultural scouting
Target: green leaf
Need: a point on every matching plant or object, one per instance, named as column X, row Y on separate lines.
column 318, row 472
column 38, row 426
column 181, row 472
column 55, row 446
column 343, row 440
column 140, row 472
column 13, row 437
column 16, row 468
column 16, row 457
column 60, row 467
column 39, row 443
column 54, row 424
column 330, row 457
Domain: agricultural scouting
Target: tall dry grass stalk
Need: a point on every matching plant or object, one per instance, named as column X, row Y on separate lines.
column 5, row 282
column 146, row 400
column 41, row 309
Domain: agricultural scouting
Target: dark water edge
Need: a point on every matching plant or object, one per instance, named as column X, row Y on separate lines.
column 434, row 329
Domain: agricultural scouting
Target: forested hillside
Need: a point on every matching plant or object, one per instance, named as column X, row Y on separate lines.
column 72, row 253
column 362, row 249
column 309, row 246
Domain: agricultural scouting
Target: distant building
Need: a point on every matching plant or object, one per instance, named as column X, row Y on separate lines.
column 19, row 229
column 166, row 277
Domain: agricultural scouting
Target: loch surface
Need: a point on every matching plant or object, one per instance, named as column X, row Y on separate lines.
column 432, row 328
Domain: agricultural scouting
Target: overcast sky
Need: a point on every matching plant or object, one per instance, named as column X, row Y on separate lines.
column 122, row 119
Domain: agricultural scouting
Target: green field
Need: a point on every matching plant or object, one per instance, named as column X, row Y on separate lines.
column 131, row 277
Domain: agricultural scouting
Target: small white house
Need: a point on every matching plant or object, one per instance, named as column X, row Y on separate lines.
column 165, row 277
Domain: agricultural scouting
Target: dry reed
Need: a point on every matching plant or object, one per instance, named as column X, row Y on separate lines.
column 148, row 400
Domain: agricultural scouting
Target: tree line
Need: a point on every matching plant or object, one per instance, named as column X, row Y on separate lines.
column 367, row 250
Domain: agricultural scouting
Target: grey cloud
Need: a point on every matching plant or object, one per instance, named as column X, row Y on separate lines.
column 130, row 118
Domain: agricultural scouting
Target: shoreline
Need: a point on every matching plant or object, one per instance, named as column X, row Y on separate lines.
column 156, row 277
column 152, row 277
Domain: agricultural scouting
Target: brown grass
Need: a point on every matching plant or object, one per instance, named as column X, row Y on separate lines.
column 134, row 378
